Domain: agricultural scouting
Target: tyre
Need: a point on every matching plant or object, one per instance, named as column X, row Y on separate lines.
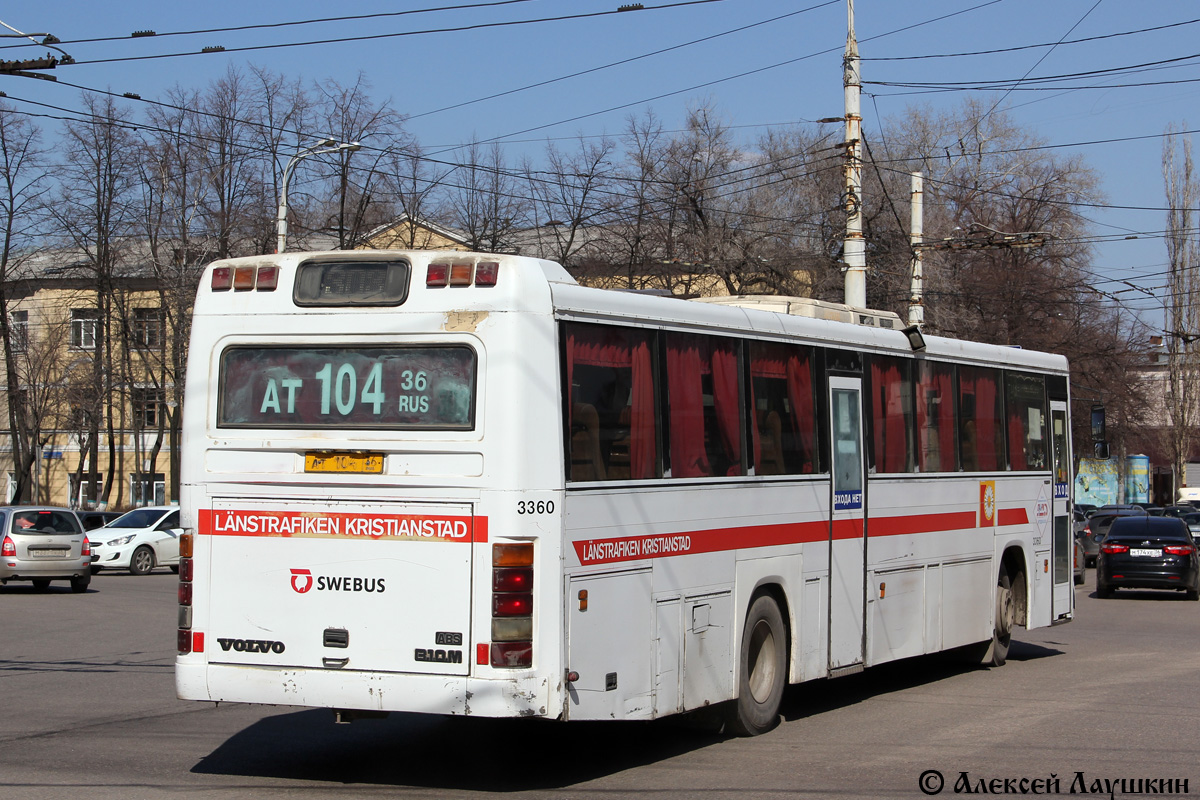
column 175, row 568
column 1005, row 620
column 1193, row 594
column 142, row 561
column 1103, row 590
column 762, row 670
column 79, row 584
column 41, row 584
column 95, row 570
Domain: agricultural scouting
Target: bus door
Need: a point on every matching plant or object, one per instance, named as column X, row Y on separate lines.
column 1063, row 537
column 847, row 527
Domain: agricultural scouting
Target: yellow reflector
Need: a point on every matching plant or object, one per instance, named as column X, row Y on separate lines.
column 185, row 545
column 512, row 555
column 460, row 274
column 243, row 278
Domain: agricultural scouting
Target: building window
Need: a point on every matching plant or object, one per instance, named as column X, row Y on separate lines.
column 18, row 330
column 148, row 407
column 85, row 324
column 147, row 489
column 148, row 327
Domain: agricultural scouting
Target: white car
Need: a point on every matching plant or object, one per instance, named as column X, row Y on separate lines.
column 139, row 541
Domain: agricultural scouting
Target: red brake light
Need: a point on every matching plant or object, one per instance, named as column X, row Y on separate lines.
column 9, row 548
column 185, row 593
column 512, row 605
column 437, row 274
column 222, row 279
column 268, row 279
column 1179, row 549
column 87, row 547
column 486, row 273
column 512, row 580
column 183, row 641
column 1114, row 548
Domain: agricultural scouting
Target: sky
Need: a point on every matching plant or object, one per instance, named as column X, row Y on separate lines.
column 760, row 62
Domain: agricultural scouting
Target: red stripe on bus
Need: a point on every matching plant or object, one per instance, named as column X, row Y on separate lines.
column 342, row 525
column 632, row 548
column 1011, row 516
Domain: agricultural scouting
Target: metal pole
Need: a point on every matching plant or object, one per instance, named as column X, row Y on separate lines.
column 854, row 252
column 916, row 309
column 320, row 148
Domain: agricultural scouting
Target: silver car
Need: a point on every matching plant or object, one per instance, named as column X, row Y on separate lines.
column 41, row 544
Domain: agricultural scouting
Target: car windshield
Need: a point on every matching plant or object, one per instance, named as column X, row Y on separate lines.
column 43, row 521
column 138, row 518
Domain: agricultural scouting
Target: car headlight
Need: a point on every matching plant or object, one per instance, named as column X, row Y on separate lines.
column 120, row 541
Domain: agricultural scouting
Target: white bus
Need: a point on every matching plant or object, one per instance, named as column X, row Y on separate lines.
column 460, row 483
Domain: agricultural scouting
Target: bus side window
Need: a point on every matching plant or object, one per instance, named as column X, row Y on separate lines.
column 585, row 444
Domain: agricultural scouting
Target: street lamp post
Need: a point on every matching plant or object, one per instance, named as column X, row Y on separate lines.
column 322, row 147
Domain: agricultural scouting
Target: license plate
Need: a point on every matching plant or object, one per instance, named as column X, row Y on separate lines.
column 1144, row 552
column 343, row 462
column 43, row 552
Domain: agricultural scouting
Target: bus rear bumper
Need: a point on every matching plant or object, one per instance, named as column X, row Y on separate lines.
column 370, row 691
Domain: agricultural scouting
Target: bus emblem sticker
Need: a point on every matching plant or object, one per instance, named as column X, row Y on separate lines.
column 987, row 503
column 297, row 574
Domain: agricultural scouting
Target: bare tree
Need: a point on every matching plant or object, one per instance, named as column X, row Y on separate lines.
column 1182, row 305
column 96, row 216
column 23, row 186
column 355, row 201
column 485, row 200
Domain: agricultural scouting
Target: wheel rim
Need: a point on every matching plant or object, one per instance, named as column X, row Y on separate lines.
column 142, row 561
column 762, row 661
column 1006, row 611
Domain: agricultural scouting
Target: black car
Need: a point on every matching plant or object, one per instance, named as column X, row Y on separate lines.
column 1148, row 553
column 96, row 519
column 1098, row 524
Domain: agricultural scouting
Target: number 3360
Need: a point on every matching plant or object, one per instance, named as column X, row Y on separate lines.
column 532, row 507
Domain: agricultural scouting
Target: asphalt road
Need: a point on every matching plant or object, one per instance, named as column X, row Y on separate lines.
column 89, row 712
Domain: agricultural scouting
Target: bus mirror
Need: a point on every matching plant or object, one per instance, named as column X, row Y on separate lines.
column 1098, row 433
column 1102, row 451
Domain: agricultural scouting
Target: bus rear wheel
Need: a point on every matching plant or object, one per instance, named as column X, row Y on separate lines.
column 1006, row 620
column 762, row 670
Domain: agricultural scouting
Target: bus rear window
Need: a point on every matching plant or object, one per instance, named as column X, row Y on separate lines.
column 426, row 387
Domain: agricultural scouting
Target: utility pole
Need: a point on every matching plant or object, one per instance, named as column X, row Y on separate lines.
column 916, row 309
column 854, row 251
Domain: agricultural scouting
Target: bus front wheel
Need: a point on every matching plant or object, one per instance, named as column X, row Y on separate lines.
column 762, row 670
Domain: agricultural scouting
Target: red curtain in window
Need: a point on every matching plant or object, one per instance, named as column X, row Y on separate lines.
column 686, row 394
column 987, row 444
column 937, row 382
column 641, row 421
column 800, row 397
column 621, row 349
column 891, row 445
column 725, row 402
column 1016, row 439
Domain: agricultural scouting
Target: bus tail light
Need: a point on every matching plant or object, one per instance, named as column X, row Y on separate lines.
column 486, row 273
column 222, row 279
column 512, row 605
column 245, row 278
column 184, row 638
column 437, row 275
column 464, row 273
